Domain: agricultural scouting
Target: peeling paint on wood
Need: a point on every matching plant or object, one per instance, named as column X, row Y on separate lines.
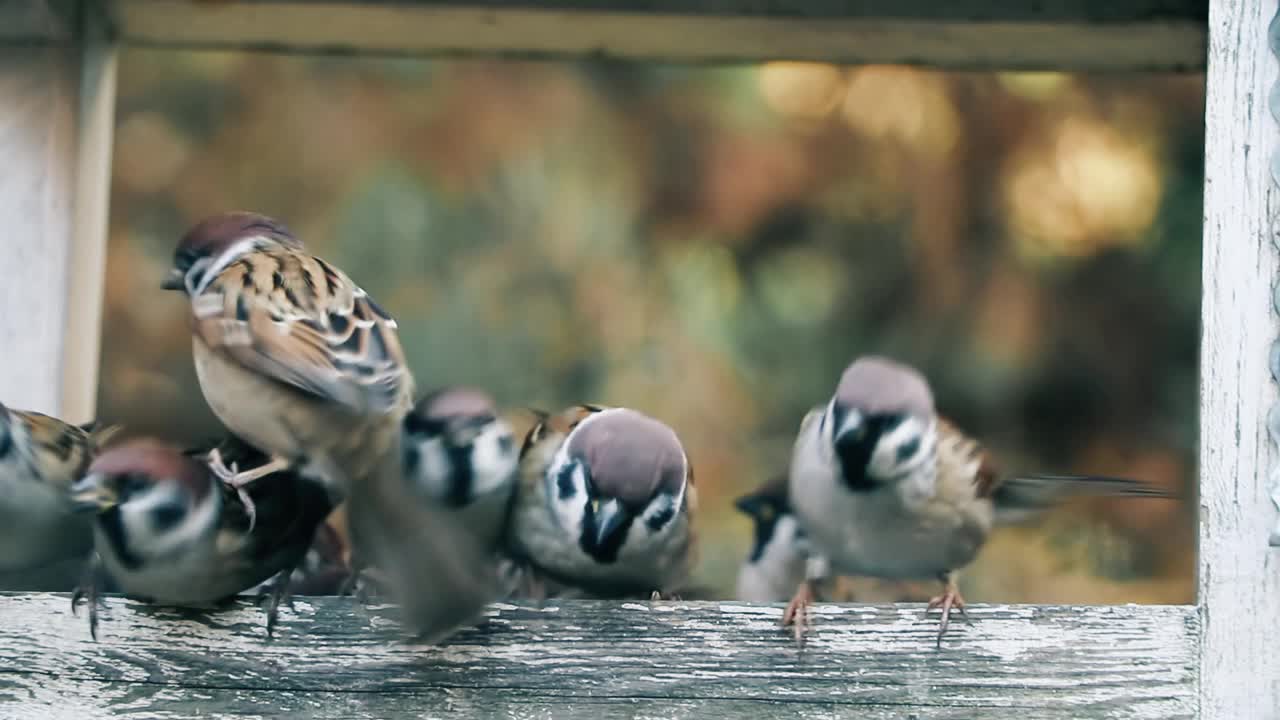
column 580, row 659
column 1239, row 572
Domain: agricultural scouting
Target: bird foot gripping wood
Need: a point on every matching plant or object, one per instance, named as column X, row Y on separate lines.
column 88, row 589
column 237, row 480
column 275, row 595
column 797, row 613
column 949, row 599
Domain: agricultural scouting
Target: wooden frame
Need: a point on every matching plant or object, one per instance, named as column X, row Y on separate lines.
column 1216, row 659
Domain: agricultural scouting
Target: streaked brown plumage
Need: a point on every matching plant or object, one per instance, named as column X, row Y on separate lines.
column 292, row 356
column 40, row 457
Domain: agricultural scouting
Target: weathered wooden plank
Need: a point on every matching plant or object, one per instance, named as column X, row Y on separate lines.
column 973, row 34
column 579, row 659
column 56, row 116
column 1239, row 581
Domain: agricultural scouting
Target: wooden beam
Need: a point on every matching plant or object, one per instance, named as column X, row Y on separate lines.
column 57, row 101
column 964, row 34
column 585, row 659
column 1239, row 582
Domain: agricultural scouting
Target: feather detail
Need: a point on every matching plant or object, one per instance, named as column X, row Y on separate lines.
column 301, row 322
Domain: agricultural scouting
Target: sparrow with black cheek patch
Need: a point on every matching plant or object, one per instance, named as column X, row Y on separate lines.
column 460, row 454
column 291, row 355
column 775, row 566
column 460, row 457
column 167, row 531
column 40, row 457
column 886, row 488
column 604, row 503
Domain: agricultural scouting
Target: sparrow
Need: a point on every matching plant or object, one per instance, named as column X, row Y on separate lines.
column 167, row 531
column 40, row 457
column 292, row 356
column 775, row 565
column 885, row 487
column 459, row 454
column 460, row 457
column 604, row 503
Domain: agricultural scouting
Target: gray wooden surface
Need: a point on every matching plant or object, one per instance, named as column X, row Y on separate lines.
column 590, row 660
column 1005, row 34
column 1239, row 571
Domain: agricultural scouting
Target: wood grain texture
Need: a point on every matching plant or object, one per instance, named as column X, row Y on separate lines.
column 57, row 103
column 37, row 142
column 969, row 34
column 1239, row 572
column 581, row 659
column 95, row 136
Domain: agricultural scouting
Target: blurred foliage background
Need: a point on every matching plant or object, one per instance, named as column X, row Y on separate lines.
column 712, row 246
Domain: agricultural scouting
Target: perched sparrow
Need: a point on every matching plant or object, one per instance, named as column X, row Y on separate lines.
column 292, row 356
column 776, row 564
column 167, row 531
column 604, row 503
column 40, row 457
column 460, row 457
column 459, row 454
column 886, row 488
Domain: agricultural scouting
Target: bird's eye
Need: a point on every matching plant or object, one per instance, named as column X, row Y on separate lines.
column 166, row 516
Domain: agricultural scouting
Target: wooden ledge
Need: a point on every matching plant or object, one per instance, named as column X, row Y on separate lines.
column 963, row 34
column 585, row 659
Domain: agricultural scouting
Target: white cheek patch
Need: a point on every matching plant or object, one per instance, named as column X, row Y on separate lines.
column 222, row 262
column 493, row 460
column 431, row 473
column 905, row 449
column 567, row 511
column 136, row 517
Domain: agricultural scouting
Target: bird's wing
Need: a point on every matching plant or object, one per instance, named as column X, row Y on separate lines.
column 302, row 322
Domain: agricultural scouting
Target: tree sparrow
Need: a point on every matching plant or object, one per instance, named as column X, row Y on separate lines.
column 604, row 503
column 291, row 355
column 460, row 454
column 460, row 457
column 775, row 565
column 886, row 488
column 167, row 531
column 40, row 457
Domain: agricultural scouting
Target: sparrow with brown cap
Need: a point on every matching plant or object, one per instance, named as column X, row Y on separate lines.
column 604, row 503
column 885, row 487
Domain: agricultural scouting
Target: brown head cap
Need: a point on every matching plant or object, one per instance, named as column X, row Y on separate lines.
column 155, row 461
column 629, row 456
column 877, row 385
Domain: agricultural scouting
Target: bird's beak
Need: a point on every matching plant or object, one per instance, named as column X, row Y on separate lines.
column 175, row 280
column 92, row 494
column 611, row 519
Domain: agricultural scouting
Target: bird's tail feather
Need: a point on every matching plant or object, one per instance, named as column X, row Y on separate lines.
column 1023, row 495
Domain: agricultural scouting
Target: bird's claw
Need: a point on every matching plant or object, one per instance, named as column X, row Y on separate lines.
column 797, row 613
column 273, row 596
column 948, row 600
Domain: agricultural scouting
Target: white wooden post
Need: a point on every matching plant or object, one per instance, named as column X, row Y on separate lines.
column 57, row 101
column 1239, row 571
